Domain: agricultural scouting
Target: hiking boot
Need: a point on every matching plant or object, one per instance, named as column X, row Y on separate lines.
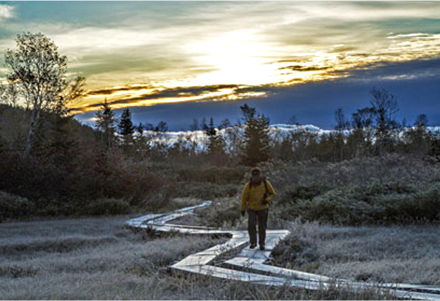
column 252, row 246
column 262, row 248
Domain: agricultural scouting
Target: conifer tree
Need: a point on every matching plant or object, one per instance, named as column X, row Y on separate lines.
column 216, row 144
column 126, row 129
column 142, row 141
column 256, row 137
column 105, row 122
column 341, row 125
column 418, row 138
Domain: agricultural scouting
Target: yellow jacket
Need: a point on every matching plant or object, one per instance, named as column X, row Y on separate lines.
column 253, row 197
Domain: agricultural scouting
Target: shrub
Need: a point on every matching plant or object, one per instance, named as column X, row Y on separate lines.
column 57, row 207
column 295, row 250
column 107, row 207
column 217, row 175
column 377, row 204
column 16, row 271
column 12, row 206
column 218, row 215
column 207, row 190
column 302, row 193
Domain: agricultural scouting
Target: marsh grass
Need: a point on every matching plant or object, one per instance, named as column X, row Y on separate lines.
column 403, row 254
column 85, row 259
column 98, row 258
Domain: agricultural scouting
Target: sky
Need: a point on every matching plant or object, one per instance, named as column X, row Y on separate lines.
column 175, row 61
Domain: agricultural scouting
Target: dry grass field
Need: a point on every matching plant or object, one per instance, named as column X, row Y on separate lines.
column 98, row 258
column 402, row 254
column 87, row 259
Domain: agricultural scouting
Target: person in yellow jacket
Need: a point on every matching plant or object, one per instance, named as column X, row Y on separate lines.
column 257, row 195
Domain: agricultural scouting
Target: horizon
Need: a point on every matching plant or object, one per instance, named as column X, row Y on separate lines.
column 175, row 61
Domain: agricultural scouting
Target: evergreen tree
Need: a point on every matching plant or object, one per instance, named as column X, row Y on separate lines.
column 341, row 122
column 341, row 125
column 210, row 129
column 105, row 122
column 126, row 129
column 140, row 129
column 216, row 144
column 248, row 112
column 142, row 142
column 203, row 124
column 418, row 138
column 256, row 137
column 285, row 149
column 125, row 125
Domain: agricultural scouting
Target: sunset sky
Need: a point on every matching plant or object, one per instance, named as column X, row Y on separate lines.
column 176, row 61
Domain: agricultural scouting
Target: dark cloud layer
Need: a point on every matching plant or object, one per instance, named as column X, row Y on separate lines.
column 176, row 93
column 109, row 91
column 415, row 85
column 304, row 68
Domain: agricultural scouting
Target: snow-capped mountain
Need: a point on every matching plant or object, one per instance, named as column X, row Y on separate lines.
column 197, row 140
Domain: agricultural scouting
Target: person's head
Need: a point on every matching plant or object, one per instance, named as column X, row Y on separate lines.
column 256, row 175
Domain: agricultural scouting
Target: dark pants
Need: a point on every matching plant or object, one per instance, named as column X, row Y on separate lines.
column 259, row 216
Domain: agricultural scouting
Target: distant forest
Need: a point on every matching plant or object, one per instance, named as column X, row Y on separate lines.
column 51, row 165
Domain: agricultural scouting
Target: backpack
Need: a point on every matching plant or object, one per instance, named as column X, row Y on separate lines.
column 266, row 194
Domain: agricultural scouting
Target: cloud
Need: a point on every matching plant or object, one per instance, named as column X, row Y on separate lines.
column 315, row 103
column 6, row 12
column 302, row 68
column 110, row 91
column 142, row 53
column 175, row 95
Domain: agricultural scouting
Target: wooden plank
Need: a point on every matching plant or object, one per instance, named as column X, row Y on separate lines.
column 253, row 260
column 257, row 265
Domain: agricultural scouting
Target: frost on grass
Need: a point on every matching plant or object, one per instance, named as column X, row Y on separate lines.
column 408, row 254
column 86, row 259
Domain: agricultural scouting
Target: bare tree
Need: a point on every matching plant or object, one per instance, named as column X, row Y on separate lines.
column 38, row 79
column 194, row 126
column 384, row 106
column 341, row 122
column 362, row 135
column 293, row 120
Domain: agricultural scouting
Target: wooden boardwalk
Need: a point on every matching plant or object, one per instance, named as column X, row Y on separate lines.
column 249, row 265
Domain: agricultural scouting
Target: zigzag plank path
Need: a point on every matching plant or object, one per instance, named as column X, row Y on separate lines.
column 249, row 265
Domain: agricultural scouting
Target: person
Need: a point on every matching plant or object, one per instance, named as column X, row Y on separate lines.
column 257, row 195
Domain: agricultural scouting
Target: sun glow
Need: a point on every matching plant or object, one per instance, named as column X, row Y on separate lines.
column 238, row 58
column 246, row 47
